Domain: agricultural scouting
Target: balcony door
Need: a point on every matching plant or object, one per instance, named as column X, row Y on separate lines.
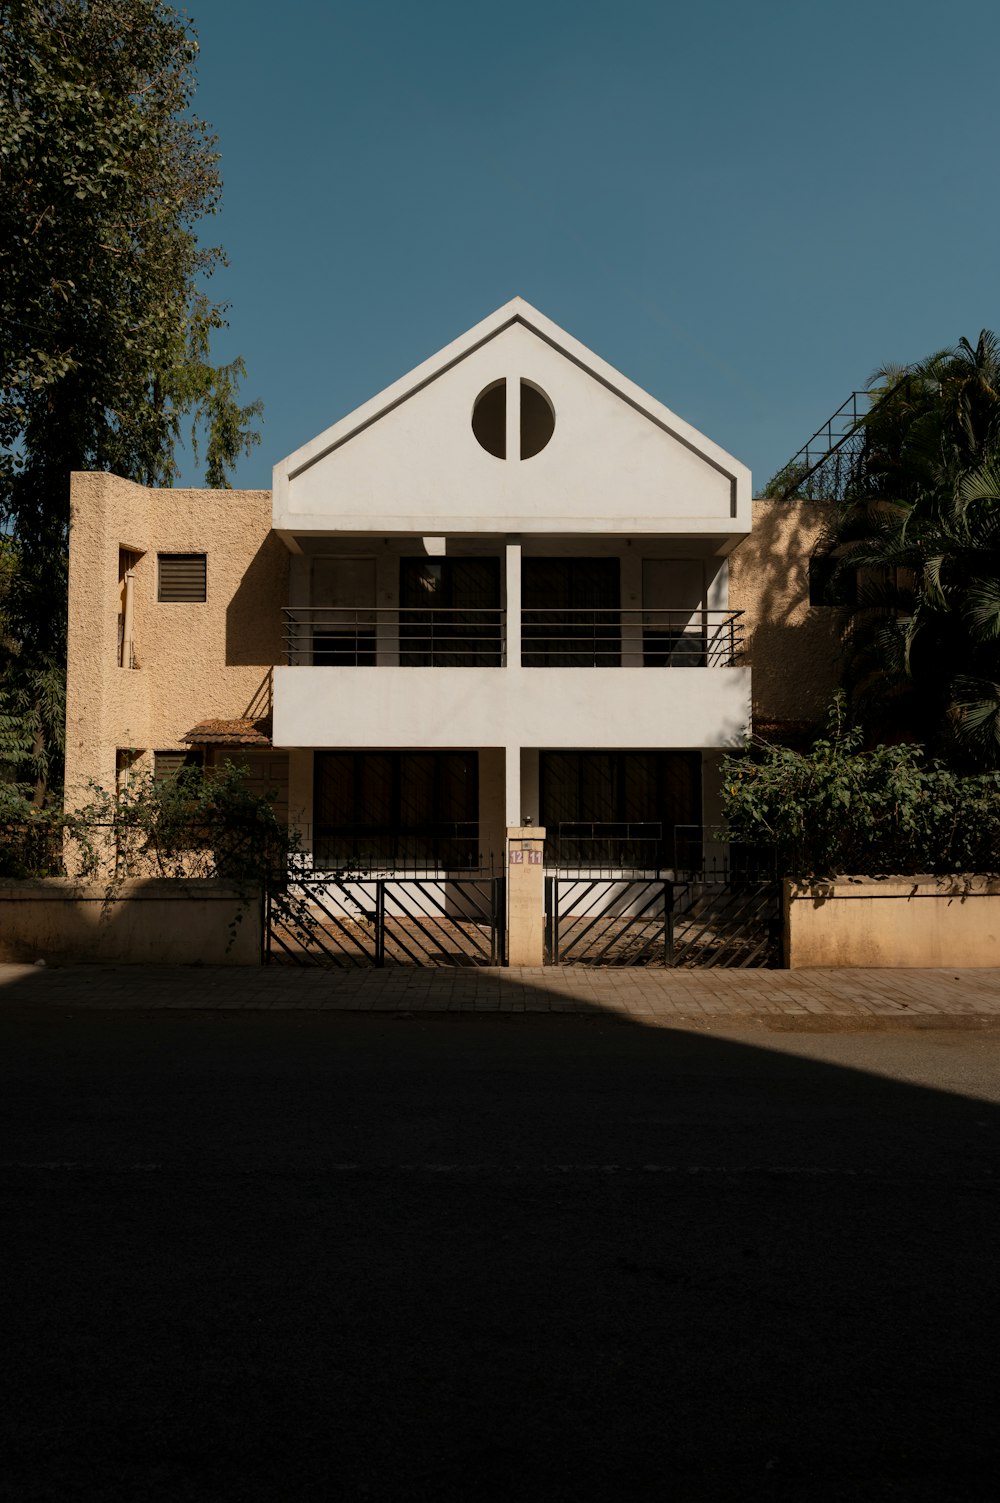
column 343, row 612
column 449, row 612
column 673, row 613
column 571, row 613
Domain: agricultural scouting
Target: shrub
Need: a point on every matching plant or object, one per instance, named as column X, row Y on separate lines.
column 840, row 809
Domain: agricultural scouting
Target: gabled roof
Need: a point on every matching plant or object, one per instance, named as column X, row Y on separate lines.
column 410, row 462
column 512, row 313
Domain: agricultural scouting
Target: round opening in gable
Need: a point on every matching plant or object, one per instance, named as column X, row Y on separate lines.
column 489, row 419
column 538, row 420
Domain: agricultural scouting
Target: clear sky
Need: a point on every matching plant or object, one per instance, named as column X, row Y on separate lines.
column 745, row 205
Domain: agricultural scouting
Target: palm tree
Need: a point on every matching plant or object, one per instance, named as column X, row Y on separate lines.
column 924, row 632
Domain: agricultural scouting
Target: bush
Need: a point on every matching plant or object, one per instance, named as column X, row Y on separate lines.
column 194, row 825
column 838, row 809
column 31, row 839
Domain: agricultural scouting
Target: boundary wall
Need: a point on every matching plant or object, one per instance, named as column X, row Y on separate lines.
column 154, row 921
column 916, row 922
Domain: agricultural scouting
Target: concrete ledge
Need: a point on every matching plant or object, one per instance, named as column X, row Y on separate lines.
column 151, row 921
column 912, row 922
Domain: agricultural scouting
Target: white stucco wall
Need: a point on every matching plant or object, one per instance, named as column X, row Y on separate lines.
column 550, row 707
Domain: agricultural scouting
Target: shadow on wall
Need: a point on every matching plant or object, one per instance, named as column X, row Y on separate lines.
column 794, row 648
column 254, row 623
column 668, row 1265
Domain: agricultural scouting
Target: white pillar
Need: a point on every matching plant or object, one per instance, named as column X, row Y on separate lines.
column 514, row 419
column 512, row 799
column 512, row 596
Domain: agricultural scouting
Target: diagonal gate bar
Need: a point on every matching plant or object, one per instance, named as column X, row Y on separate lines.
column 333, row 920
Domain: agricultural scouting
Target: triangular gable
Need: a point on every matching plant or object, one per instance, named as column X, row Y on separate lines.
column 407, row 460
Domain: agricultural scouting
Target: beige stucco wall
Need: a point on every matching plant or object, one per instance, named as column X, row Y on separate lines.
column 155, row 922
column 922, row 922
column 194, row 662
column 793, row 647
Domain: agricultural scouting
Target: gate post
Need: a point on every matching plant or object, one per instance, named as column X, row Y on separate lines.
column 525, row 895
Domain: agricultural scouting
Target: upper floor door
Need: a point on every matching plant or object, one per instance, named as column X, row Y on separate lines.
column 571, row 612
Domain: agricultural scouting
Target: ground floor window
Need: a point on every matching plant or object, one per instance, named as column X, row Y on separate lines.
column 167, row 764
column 381, row 810
column 617, row 808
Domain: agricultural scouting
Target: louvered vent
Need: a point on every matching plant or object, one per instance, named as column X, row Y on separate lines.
column 182, row 577
column 167, row 764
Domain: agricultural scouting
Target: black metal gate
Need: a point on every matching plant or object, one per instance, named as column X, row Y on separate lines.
column 703, row 919
column 726, row 920
column 337, row 921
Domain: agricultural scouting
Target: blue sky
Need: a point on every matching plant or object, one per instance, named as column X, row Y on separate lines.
column 746, row 207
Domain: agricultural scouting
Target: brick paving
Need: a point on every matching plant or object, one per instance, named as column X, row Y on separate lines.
column 807, row 999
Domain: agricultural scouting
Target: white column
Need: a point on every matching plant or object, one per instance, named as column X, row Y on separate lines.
column 512, row 797
column 512, row 593
column 514, row 419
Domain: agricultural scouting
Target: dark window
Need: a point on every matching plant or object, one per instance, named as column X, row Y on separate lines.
column 182, row 578
column 377, row 810
column 570, row 613
column 167, row 764
column 821, row 567
column 449, row 612
column 538, row 421
column 617, row 808
column 489, row 419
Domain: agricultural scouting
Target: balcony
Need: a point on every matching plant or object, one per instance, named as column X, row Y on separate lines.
column 631, row 638
column 401, row 637
column 329, row 695
column 398, row 637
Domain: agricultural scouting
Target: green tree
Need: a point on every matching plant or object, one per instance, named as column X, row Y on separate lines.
column 105, row 316
column 918, row 545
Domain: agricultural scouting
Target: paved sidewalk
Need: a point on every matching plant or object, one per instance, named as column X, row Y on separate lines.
column 775, row 999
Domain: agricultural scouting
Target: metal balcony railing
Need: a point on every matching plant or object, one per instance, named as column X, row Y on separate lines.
column 632, row 637
column 551, row 637
column 343, row 637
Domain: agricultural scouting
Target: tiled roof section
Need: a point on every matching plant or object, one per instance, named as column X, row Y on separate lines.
column 229, row 733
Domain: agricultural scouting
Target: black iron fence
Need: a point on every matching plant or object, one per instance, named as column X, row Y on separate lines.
column 687, row 899
column 323, row 919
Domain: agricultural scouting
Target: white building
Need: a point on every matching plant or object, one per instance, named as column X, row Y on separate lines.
column 508, row 602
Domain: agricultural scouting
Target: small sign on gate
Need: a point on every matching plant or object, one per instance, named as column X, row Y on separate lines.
column 517, row 858
column 534, row 858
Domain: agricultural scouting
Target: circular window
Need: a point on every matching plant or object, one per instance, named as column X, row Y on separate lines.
column 536, row 419
column 489, row 419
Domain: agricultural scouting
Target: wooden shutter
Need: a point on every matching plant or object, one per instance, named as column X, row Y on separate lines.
column 182, row 577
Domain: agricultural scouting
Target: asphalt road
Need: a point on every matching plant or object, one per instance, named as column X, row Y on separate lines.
column 297, row 1256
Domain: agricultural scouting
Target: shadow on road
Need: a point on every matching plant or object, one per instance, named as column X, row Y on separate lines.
column 305, row 1255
